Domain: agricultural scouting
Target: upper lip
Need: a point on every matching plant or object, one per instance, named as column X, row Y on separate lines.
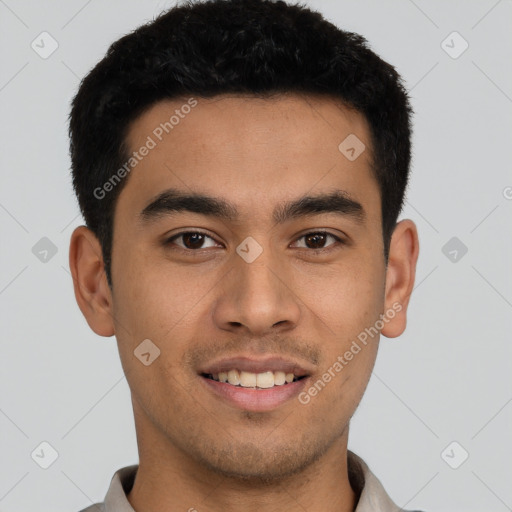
column 256, row 365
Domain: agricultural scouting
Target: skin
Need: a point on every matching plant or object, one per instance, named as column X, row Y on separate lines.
column 197, row 451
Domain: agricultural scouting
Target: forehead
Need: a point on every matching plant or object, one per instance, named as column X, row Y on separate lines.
column 255, row 151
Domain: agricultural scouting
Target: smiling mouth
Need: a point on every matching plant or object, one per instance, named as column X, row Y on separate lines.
column 263, row 380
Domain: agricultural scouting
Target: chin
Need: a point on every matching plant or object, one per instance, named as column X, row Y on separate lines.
column 250, row 463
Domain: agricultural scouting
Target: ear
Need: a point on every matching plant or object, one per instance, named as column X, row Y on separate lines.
column 92, row 291
column 400, row 274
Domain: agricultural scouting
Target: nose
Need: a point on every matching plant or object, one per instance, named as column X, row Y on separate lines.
column 257, row 297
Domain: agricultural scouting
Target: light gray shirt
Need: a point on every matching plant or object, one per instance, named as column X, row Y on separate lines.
column 372, row 496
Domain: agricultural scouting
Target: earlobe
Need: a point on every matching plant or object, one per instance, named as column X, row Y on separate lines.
column 400, row 275
column 90, row 284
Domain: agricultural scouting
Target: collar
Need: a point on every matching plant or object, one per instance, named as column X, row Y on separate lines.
column 372, row 495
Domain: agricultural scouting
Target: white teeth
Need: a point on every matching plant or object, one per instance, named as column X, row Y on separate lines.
column 248, row 380
column 233, row 377
column 262, row 380
column 265, row 380
column 279, row 378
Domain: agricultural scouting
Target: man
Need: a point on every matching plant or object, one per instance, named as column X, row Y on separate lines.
column 241, row 165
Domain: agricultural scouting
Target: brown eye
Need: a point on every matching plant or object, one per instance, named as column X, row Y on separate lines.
column 316, row 240
column 191, row 240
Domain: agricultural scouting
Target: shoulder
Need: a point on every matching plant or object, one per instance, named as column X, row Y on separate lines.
column 372, row 495
column 97, row 507
column 116, row 497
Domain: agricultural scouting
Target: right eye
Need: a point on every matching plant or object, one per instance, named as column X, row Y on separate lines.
column 191, row 240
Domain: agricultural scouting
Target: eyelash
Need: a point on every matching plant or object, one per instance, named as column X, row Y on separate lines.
column 338, row 241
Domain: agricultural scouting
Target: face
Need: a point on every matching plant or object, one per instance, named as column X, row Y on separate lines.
column 273, row 272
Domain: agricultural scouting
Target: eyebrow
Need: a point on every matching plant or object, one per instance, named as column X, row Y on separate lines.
column 175, row 201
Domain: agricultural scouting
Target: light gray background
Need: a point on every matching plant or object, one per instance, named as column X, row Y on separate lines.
column 446, row 379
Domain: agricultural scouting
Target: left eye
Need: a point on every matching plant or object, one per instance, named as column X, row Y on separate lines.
column 318, row 238
column 193, row 240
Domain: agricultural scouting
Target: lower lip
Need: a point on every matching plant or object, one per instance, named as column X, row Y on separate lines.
column 255, row 400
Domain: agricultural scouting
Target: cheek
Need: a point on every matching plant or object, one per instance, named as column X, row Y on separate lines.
column 348, row 301
column 347, row 296
column 153, row 295
column 152, row 302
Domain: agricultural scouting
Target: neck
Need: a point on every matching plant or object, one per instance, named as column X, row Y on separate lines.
column 169, row 479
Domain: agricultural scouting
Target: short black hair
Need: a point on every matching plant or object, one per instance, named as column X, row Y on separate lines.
column 213, row 47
